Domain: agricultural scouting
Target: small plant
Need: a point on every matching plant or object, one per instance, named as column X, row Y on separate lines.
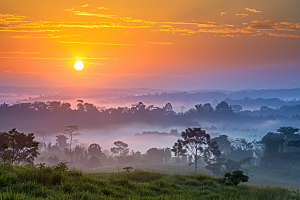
column 61, row 166
column 41, row 165
column 235, row 177
column 128, row 169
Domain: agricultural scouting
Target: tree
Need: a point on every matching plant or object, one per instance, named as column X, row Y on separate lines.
column 95, row 150
column 272, row 143
column 120, row 149
column 72, row 131
column 155, row 155
column 196, row 143
column 61, row 141
column 16, row 147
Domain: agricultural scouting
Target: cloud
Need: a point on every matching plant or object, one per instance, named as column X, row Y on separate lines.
column 222, row 13
column 102, row 8
column 223, row 31
column 242, row 15
column 38, row 58
column 283, row 35
column 261, row 27
column 253, row 10
column 95, row 43
column 49, row 36
column 164, row 43
column 19, row 52
column 92, row 13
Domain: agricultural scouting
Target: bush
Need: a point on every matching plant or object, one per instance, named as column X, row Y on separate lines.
column 235, row 177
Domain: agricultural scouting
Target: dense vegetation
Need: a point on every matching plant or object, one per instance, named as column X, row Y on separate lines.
column 17, row 182
column 87, row 115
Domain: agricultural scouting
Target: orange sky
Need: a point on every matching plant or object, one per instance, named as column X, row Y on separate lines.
column 160, row 44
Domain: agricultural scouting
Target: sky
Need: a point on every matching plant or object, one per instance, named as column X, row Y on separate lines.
column 182, row 45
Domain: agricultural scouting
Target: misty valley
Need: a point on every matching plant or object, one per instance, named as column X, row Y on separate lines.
column 216, row 144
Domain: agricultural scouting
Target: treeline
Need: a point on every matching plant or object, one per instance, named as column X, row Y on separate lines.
column 87, row 115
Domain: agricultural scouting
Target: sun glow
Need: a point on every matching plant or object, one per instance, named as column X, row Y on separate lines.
column 78, row 65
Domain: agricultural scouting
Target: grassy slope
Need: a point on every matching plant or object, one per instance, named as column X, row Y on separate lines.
column 260, row 176
column 24, row 183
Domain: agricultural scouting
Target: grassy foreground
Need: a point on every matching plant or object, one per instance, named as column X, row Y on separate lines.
column 30, row 183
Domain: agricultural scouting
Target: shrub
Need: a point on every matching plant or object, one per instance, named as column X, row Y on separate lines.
column 235, row 177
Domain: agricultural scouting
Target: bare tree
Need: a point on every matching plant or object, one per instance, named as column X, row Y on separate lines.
column 72, row 131
column 43, row 138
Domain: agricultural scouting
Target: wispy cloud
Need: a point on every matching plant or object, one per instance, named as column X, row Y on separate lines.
column 85, row 5
column 96, row 43
column 261, row 26
column 283, row 35
column 222, row 14
column 253, row 10
column 19, row 52
column 242, row 15
column 164, row 43
column 49, row 36
column 38, row 58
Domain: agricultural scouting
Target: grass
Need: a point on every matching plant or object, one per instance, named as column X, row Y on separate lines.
column 17, row 182
column 258, row 176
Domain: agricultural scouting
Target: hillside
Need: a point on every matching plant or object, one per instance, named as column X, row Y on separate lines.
column 31, row 183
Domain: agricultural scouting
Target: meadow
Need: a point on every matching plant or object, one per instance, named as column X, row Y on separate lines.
column 258, row 175
column 19, row 182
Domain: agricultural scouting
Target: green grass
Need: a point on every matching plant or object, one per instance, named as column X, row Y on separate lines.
column 17, row 182
column 258, row 176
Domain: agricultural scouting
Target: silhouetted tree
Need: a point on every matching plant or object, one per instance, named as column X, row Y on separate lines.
column 155, row 155
column 72, row 131
column 272, row 143
column 16, row 147
column 61, row 141
column 196, row 143
column 120, row 149
column 95, row 150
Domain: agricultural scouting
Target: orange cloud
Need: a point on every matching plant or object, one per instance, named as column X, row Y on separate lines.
column 19, row 52
column 242, row 15
column 253, row 10
column 164, row 43
column 222, row 13
column 283, row 35
column 261, row 26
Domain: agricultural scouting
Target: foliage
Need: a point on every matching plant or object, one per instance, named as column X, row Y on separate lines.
column 120, row 149
column 95, row 150
column 41, row 165
column 221, row 165
column 235, row 177
column 62, row 166
column 23, row 183
column 128, row 169
column 196, row 143
column 16, row 147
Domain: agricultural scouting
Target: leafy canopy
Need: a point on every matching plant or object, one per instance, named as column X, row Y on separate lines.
column 16, row 147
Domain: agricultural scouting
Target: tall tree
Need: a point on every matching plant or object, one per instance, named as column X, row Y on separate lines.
column 16, row 147
column 196, row 143
column 72, row 131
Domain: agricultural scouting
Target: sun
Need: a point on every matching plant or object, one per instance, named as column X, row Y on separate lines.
column 78, row 65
